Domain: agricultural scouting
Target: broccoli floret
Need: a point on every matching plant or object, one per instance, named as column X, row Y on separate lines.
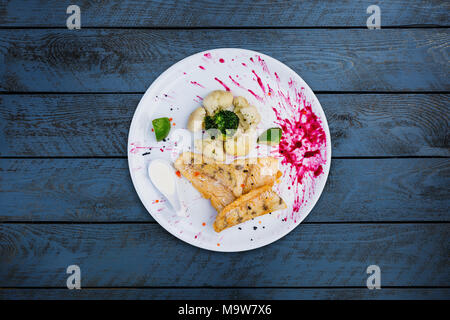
column 210, row 123
column 225, row 119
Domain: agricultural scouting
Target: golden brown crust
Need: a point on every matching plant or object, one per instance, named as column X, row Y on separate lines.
column 208, row 186
column 227, row 174
column 253, row 204
column 259, row 172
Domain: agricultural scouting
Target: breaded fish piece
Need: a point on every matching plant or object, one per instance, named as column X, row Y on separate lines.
column 223, row 183
column 253, row 204
column 226, row 174
column 204, row 180
column 259, row 172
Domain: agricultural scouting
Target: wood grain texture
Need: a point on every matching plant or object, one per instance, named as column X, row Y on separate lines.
column 101, row 190
column 97, row 124
column 228, row 293
column 129, row 60
column 231, row 13
column 133, row 255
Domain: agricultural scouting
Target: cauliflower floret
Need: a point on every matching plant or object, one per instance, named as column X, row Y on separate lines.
column 211, row 148
column 249, row 117
column 241, row 143
column 196, row 119
column 218, row 100
column 239, row 103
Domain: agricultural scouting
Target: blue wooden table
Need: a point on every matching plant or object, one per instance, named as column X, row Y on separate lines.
column 66, row 102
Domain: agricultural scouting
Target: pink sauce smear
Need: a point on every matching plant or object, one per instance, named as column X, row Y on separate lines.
column 302, row 145
column 235, row 82
column 256, row 96
column 276, row 76
column 263, row 64
column 258, row 79
column 223, row 84
column 197, row 84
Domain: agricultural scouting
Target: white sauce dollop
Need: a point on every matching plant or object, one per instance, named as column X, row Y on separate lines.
column 162, row 175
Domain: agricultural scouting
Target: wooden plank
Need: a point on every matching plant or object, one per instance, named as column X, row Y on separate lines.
column 129, row 60
column 360, row 124
column 101, row 190
column 231, row 13
column 321, row 255
column 229, row 293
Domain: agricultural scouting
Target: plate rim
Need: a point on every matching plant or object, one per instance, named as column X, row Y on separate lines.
column 264, row 242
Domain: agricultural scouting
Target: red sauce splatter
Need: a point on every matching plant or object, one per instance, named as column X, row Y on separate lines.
column 276, row 76
column 258, row 79
column 291, row 83
column 244, row 64
column 318, row 171
column 263, row 64
column 270, row 90
column 135, row 148
column 235, row 82
column 197, row 84
column 256, row 96
column 208, row 55
column 308, row 154
column 202, row 67
column 200, row 97
column 302, row 145
column 221, row 60
column 223, row 84
column 251, row 59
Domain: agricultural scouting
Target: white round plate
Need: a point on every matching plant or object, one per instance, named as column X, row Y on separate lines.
column 282, row 98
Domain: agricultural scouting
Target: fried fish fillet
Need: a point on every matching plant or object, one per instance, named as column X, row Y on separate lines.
column 253, row 204
column 259, row 172
column 223, row 183
column 226, row 174
column 210, row 180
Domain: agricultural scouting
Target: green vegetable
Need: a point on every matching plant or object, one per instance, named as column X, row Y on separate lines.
column 161, row 127
column 271, row 136
column 226, row 120
column 210, row 123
